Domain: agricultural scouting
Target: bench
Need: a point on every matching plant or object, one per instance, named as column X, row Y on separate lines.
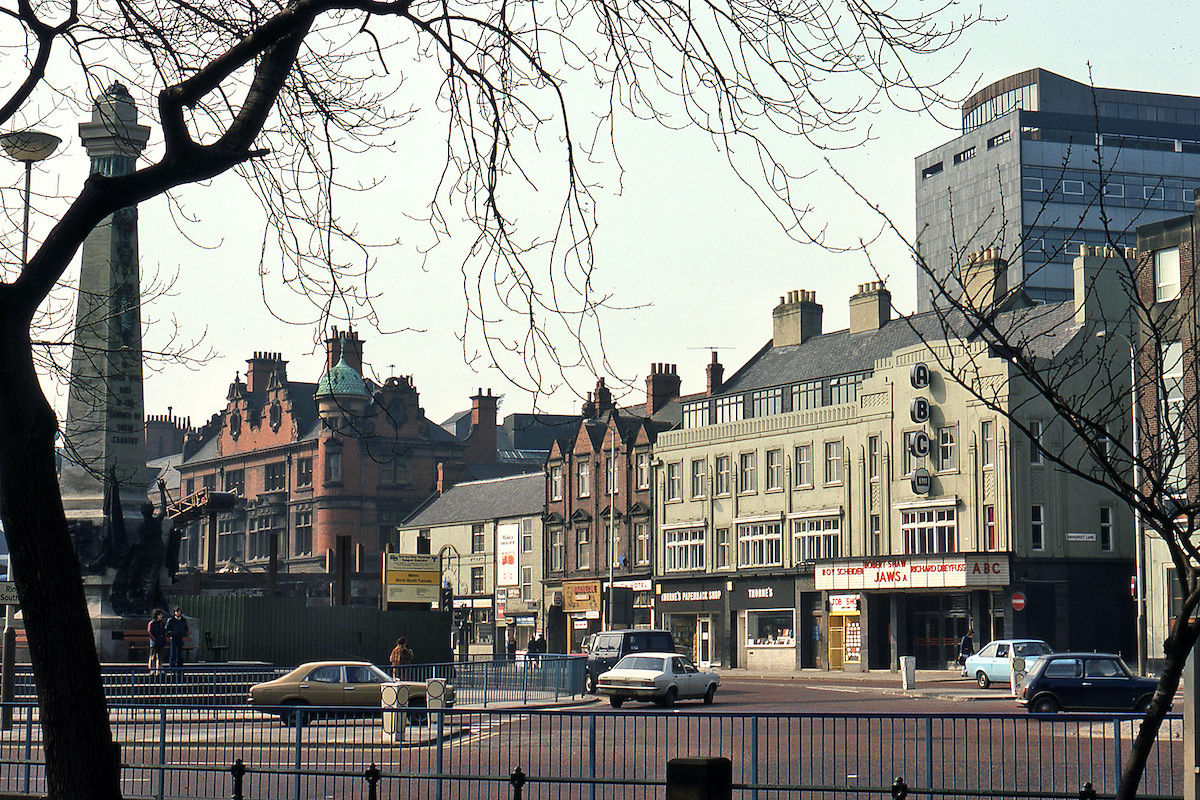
column 216, row 652
column 138, row 640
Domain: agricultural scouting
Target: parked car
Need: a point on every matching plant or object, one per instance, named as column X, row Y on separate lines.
column 659, row 677
column 993, row 662
column 608, row 647
column 1084, row 682
column 348, row 684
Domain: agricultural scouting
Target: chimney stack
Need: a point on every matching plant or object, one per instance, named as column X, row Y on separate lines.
column 870, row 307
column 348, row 342
column 662, row 386
column 716, row 375
column 259, row 370
column 984, row 279
column 797, row 318
column 481, row 441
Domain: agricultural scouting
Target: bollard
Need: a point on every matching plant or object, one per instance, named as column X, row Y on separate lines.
column 372, row 778
column 238, row 770
column 899, row 789
column 699, row 779
column 1087, row 792
column 517, row 779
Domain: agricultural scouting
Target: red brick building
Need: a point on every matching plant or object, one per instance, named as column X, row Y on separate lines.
column 600, row 483
column 325, row 471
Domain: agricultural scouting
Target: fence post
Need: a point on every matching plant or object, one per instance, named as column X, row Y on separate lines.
column 700, row 779
column 929, row 751
column 28, row 747
column 298, row 721
column 592, row 754
column 372, row 778
column 1087, row 792
column 517, row 779
column 238, row 770
column 1117, row 751
column 900, row 789
column 485, row 683
column 441, row 753
column 754, row 757
column 162, row 752
column 525, row 681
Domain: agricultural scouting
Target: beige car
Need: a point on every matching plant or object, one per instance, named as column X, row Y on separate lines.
column 352, row 684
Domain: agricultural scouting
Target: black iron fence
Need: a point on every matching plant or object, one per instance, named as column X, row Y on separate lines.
column 176, row 752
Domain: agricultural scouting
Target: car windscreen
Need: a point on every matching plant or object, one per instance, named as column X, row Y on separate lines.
column 1027, row 649
column 641, row 662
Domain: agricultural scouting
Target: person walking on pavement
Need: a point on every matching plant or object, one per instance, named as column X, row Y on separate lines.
column 177, row 632
column 966, row 647
column 158, row 641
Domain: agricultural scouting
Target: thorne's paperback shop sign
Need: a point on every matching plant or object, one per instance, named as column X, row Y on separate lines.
column 982, row 569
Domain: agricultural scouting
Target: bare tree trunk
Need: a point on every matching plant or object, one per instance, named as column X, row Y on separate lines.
column 81, row 758
column 1177, row 649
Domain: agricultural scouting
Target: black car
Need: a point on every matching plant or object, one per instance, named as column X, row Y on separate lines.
column 608, row 647
column 1084, row 682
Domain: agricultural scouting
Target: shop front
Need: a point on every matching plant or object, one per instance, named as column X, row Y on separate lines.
column 845, row 631
column 694, row 613
column 767, row 622
column 918, row 605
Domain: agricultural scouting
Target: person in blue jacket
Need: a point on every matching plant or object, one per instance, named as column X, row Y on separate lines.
column 177, row 631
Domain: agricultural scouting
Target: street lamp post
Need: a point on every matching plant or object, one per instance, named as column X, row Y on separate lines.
column 1139, row 532
column 27, row 147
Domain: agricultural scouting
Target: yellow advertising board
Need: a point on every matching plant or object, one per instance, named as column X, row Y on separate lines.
column 411, row 578
column 581, row 596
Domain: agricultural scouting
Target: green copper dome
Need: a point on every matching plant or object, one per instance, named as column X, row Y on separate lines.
column 342, row 381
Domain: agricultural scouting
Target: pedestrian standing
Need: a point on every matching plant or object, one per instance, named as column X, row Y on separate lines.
column 158, row 641
column 177, row 632
column 966, row 647
column 401, row 654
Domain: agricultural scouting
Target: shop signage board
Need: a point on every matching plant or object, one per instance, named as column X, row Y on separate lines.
column 581, row 596
column 1080, row 536
column 843, row 603
column 411, row 578
column 508, row 540
column 984, row 569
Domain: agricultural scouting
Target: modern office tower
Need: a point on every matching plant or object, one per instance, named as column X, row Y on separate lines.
column 1046, row 164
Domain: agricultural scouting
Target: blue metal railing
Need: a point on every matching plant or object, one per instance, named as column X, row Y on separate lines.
column 575, row 754
column 545, row 679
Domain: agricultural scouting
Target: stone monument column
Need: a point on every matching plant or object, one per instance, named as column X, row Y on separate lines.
column 105, row 426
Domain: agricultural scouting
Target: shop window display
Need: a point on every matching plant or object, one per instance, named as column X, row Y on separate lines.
column 771, row 628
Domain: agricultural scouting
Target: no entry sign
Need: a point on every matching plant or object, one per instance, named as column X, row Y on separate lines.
column 1018, row 601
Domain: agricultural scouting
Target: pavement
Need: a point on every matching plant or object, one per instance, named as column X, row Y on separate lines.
column 936, row 684
column 939, row 684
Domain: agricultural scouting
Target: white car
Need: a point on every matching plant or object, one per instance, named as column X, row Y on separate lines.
column 662, row 678
column 993, row 662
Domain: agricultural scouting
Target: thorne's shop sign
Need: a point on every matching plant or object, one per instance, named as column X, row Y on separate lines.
column 983, row 569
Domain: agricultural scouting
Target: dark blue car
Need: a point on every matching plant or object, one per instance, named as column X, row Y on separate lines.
column 1084, row 682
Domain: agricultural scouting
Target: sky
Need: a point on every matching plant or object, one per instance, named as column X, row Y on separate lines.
column 681, row 244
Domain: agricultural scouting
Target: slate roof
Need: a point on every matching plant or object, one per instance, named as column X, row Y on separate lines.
column 1044, row 329
column 515, row 496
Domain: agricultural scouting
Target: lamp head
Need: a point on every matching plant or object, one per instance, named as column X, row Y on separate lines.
column 29, row 146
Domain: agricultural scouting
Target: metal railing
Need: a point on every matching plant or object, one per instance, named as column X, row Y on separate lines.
column 530, row 680
column 171, row 752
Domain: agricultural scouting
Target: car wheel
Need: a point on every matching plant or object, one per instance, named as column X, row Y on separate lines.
column 589, row 684
column 710, row 694
column 668, row 699
column 1044, row 705
column 982, row 679
column 616, row 702
column 1143, row 705
column 290, row 716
